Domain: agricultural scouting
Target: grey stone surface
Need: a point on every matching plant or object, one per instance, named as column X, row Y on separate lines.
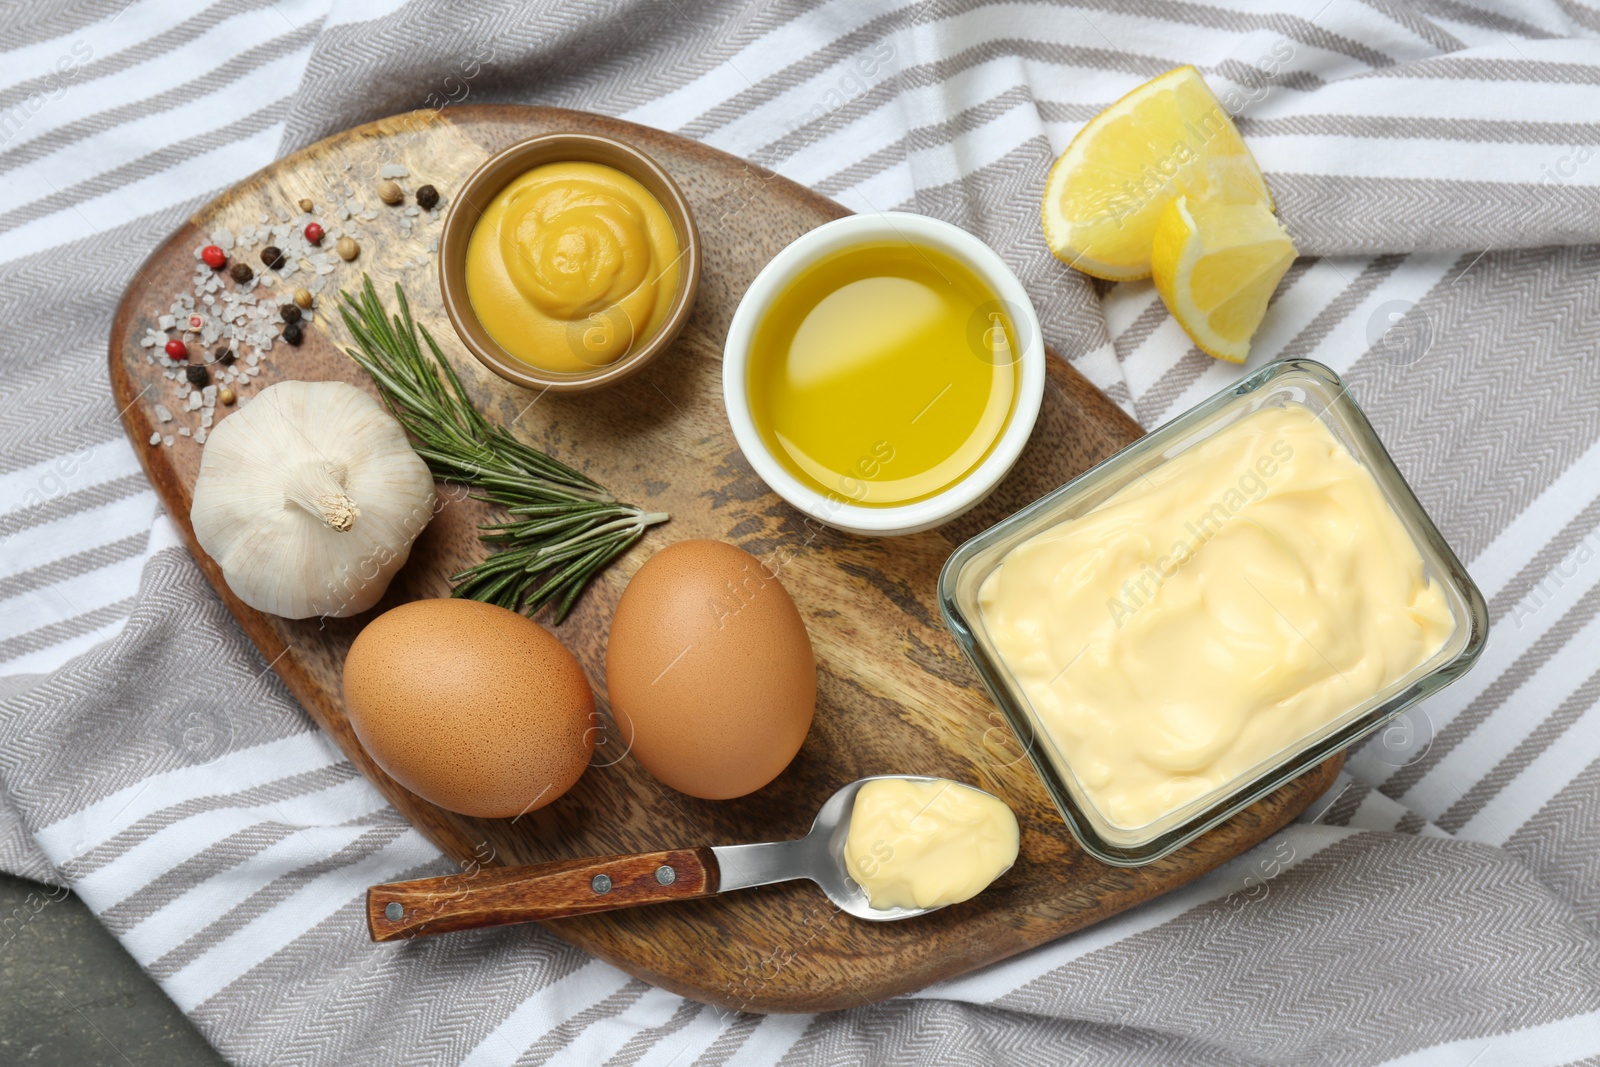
column 71, row 996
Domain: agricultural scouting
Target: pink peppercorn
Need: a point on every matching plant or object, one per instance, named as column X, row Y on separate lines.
column 213, row 257
column 313, row 233
column 177, row 349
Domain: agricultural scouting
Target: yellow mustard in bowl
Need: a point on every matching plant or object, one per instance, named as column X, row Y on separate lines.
column 572, row 264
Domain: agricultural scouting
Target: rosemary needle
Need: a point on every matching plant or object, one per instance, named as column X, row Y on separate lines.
column 564, row 528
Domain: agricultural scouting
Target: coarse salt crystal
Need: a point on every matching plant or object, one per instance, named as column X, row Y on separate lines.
column 163, row 413
column 155, row 438
column 183, row 431
column 393, row 170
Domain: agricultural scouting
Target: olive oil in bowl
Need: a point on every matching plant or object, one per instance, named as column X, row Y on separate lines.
column 883, row 374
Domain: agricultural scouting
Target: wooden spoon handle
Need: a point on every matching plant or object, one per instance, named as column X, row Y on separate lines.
column 498, row 897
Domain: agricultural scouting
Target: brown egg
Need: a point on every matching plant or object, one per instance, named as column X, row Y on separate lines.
column 710, row 671
column 470, row 706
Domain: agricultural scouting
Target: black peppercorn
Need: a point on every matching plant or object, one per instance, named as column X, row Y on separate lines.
column 198, row 376
column 294, row 333
column 224, row 355
column 272, row 256
column 241, row 273
column 289, row 312
column 427, row 196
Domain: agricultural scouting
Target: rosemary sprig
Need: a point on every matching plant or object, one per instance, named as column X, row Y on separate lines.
column 564, row 528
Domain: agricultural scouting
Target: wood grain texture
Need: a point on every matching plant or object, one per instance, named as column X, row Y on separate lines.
column 556, row 890
column 895, row 695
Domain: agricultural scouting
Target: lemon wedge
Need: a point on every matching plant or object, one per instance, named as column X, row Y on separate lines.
column 1170, row 136
column 1216, row 266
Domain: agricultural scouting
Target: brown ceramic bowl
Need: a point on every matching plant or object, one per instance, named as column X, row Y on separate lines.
column 495, row 174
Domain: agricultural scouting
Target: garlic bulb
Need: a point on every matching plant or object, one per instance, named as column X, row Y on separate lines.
column 309, row 498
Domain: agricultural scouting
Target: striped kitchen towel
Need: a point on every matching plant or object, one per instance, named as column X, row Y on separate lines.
column 1435, row 161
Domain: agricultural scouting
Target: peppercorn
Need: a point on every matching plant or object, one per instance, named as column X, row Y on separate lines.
column 289, row 312
column 241, row 273
column 390, row 193
column 198, row 376
column 306, row 205
column 176, row 349
column 226, row 395
column 294, row 333
column 213, row 257
column 348, row 249
column 303, row 297
column 272, row 256
column 314, row 233
column 224, row 355
column 427, row 196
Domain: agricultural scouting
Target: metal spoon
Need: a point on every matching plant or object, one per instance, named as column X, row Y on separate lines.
column 558, row 890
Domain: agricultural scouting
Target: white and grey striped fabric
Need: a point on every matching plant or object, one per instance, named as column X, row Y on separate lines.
column 1440, row 906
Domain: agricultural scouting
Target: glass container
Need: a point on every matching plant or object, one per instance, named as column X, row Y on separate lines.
column 1290, row 381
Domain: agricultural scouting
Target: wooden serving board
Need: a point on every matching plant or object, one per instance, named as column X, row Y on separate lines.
column 894, row 693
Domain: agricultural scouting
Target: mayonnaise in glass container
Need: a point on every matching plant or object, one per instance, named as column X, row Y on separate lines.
column 1215, row 610
column 1231, row 602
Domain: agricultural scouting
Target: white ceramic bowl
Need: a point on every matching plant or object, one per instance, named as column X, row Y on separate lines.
column 834, row 509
